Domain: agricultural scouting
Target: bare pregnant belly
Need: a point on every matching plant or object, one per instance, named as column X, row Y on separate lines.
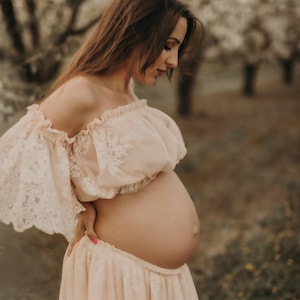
column 159, row 223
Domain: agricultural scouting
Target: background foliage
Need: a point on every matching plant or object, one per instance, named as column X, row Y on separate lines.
column 263, row 267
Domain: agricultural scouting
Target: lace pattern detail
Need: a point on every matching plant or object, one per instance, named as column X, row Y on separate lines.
column 31, row 195
column 112, row 150
column 81, row 144
column 75, row 170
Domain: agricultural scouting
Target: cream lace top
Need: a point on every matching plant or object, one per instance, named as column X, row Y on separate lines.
column 43, row 172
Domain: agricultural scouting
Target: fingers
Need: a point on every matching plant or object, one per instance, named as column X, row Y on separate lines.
column 85, row 225
column 90, row 216
column 89, row 226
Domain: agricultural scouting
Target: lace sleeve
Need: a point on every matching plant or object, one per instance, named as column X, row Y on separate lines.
column 35, row 179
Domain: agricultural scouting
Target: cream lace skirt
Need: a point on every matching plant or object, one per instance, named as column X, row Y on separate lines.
column 103, row 272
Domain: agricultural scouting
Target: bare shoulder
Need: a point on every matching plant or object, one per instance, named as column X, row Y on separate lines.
column 76, row 93
column 71, row 106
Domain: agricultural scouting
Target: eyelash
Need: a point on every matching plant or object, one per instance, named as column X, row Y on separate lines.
column 167, row 48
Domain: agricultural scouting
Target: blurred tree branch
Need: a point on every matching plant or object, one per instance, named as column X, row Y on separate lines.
column 12, row 25
column 84, row 28
column 39, row 60
column 15, row 33
column 34, row 28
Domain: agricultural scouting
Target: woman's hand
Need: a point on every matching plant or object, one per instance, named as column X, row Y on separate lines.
column 85, row 225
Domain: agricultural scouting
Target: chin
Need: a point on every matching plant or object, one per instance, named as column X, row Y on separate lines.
column 147, row 80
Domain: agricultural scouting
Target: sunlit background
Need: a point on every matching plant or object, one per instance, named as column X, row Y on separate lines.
column 239, row 111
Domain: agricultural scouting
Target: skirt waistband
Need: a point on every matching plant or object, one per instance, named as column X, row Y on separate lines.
column 151, row 267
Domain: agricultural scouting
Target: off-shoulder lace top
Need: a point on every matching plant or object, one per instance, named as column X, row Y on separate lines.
column 43, row 172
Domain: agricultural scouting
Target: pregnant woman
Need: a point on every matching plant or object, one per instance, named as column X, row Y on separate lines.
column 92, row 148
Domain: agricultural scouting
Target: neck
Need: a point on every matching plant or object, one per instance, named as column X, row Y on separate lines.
column 117, row 81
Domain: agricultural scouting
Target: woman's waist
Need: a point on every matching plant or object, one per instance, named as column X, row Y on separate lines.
column 159, row 223
column 158, row 240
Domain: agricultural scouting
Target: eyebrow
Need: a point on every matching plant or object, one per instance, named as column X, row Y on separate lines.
column 174, row 39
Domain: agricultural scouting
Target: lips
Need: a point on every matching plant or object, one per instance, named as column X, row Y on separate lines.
column 160, row 72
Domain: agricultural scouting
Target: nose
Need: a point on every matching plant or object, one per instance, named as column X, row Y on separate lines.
column 172, row 60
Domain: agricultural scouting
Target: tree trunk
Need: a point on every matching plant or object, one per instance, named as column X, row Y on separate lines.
column 33, row 66
column 186, row 81
column 287, row 65
column 34, row 26
column 250, row 73
column 15, row 35
column 12, row 25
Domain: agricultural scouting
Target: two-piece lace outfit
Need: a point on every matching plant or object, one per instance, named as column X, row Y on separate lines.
column 43, row 173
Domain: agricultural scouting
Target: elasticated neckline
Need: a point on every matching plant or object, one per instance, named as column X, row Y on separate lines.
column 119, row 111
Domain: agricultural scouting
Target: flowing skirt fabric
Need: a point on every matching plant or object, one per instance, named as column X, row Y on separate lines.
column 103, row 272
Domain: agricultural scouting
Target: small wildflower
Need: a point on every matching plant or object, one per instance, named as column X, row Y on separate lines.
column 264, row 265
column 240, row 294
column 225, row 286
column 277, row 257
column 250, row 267
column 277, row 248
column 228, row 276
column 290, row 262
column 288, row 213
column 244, row 249
column 281, row 235
column 274, row 289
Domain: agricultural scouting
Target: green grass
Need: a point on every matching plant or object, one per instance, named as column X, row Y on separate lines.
column 267, row 266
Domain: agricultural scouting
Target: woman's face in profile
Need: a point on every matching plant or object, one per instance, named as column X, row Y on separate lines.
column 168, row 57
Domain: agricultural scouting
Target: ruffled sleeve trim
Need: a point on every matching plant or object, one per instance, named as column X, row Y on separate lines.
column 35, row 177
column 38, row 120
column 96, row 191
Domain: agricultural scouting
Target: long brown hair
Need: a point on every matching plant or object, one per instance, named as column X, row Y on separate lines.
column 125, row 26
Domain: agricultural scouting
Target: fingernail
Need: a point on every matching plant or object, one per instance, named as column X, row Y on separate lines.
column 95, row 240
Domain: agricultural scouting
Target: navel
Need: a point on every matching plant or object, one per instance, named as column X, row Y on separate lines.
column 195, row 229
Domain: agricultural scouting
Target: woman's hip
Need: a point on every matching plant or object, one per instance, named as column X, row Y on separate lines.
column 102, row 271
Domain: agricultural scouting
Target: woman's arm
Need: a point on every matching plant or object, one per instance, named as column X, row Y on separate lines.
column 85, row 225
column 70, row 108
